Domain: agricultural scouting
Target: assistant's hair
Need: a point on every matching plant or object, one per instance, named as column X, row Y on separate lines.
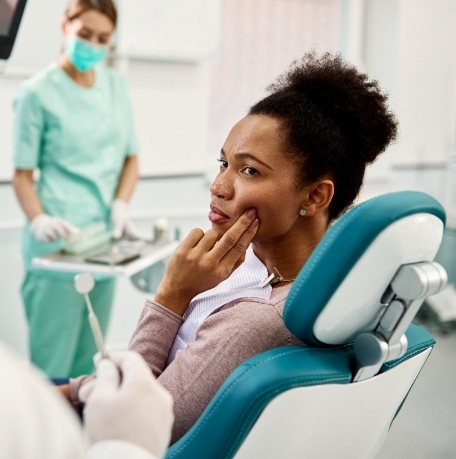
column 334, row 119
column 77, row 7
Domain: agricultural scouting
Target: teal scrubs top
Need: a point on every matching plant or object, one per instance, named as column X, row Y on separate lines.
column 78, row 139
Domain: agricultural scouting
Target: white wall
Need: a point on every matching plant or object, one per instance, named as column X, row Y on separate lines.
column 171, row 110
column 175, row 30
column 410, row 48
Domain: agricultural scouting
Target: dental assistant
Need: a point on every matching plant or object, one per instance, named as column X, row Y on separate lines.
column 73, row 124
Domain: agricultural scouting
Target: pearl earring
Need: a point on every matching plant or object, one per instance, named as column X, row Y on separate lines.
column 303, row 212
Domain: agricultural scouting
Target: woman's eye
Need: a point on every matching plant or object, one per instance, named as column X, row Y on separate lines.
column 84, row 35
column 250, row 170
column 223, row 163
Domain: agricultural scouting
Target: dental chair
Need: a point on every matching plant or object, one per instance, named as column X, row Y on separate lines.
column 352, row 304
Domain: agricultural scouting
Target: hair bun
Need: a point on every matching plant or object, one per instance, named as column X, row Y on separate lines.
column 346, row 96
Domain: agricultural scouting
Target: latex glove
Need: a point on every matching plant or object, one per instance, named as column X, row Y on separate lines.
column 126, row 403
column 122, row 225
column 48, row 229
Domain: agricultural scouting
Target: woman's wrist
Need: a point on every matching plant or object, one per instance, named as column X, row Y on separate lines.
column 171, row 299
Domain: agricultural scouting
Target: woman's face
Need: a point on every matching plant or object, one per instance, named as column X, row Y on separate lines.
column 255, row 172
column 91, row 26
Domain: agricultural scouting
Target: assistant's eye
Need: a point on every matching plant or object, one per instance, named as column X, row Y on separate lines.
column 103, row 40
column 223, row 163
column 84, row 34
column 248, row 170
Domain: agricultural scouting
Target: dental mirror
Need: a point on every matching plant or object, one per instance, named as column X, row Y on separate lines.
column 84, row 284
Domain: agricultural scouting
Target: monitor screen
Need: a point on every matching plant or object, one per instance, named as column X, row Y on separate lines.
column 10, row 17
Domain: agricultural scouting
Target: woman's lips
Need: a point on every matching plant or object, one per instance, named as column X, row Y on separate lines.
column 217, row 216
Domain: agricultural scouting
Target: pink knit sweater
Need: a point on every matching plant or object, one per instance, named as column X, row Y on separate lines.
column 235, row 332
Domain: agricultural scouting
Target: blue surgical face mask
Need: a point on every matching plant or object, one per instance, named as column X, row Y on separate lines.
column 83, row 54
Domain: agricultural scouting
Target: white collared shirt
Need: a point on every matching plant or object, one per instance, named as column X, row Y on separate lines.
column 245, row 282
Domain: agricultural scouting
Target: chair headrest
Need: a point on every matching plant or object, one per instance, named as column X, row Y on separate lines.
column 336, row 296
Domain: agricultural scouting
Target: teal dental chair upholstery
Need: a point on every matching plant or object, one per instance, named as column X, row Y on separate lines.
column 352, row 304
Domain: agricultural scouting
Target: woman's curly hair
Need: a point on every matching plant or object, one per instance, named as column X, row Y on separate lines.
column 335, row 120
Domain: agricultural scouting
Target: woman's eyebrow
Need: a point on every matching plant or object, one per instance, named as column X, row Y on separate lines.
column 85, row 28
column 248, row 156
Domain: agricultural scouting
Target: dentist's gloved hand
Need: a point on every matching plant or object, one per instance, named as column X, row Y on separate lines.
column 126, row 403
column 122, row 225
column 48, row 229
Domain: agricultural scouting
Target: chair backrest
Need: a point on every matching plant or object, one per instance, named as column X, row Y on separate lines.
column 351, row 303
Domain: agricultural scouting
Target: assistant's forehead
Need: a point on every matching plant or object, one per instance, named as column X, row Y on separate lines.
column 95, row 20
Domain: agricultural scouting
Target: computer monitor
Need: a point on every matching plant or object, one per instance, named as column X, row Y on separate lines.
column 11, row 12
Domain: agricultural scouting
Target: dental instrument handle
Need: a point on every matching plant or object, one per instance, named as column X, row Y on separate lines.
column 96, row 330
column 95, row 326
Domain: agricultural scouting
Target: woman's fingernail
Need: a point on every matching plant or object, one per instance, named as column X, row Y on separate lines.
column 251, row 213
column 255, row 223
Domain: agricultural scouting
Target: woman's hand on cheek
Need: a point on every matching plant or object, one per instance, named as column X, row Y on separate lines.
column 202, row 261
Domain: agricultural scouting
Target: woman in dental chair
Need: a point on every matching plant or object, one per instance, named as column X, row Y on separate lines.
column 288, row 169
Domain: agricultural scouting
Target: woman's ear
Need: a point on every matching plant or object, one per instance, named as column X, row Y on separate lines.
column 318, row 196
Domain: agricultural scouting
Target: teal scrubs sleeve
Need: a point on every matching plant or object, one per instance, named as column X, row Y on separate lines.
column 27, row 132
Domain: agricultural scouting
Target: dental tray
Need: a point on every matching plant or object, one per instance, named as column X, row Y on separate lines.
column 89, row 238
column 115, row 255
column 116, row 258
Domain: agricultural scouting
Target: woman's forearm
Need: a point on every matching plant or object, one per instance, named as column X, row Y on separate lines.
column 25, row 192
column 128, row 178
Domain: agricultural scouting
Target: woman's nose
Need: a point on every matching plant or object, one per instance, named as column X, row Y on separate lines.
column 221, row 187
